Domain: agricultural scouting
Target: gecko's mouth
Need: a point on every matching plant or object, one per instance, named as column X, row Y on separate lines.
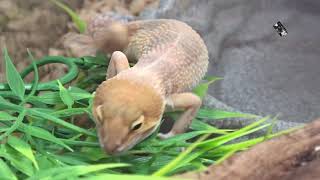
column 124, row 148
column 134, row 141
column 121, row 149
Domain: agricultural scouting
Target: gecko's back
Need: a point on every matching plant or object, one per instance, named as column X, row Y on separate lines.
column 172, row 50
column 168, row 50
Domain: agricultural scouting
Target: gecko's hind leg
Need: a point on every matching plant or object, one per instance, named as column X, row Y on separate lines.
column 118, row 63
column 189, row 103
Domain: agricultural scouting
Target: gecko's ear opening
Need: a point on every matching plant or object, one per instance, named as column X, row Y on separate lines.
column 99, row 113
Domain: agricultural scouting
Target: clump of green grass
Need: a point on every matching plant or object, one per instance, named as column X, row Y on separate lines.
column 41, row 141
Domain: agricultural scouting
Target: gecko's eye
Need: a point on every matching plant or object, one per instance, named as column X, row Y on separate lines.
column 137, row 124
column 136, row 127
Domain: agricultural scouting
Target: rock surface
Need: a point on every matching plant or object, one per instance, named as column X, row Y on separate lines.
column 263, row 73
column 32, row 24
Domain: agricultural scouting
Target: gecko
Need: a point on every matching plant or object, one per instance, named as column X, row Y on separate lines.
column 170, row 59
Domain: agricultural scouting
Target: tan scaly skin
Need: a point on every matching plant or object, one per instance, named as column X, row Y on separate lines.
column 171, row 59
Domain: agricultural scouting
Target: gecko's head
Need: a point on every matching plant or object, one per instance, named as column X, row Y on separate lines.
column 125, row 114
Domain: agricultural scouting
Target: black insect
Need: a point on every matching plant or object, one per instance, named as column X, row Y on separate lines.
column 282, row 31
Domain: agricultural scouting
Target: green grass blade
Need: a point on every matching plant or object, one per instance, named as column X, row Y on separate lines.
column 65, row 96
column 36, row 74
column 237, row 146
column 81, row 143
column 4, row 116
column 212, row 143
column 192, row 156
column 73, row 171
column 80, row 24
column 76, row 90
column 226, row 156
column 175, row 163
column 202, row 89
column 79, row 95
column 53, row 98
column 126, row 177
column 60, row 122
column 24, row 148
column 13, row 77
column 220, row 114
column 69, row 112
column 7, row 106
column 2, row 100
column 6, row 172
column 270, row 129
column 15, row 125
column 198, row 125
column 70, row 160
column 43, row 134
column 17, row 161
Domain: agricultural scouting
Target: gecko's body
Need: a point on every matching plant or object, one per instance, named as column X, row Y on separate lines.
column 171, row 59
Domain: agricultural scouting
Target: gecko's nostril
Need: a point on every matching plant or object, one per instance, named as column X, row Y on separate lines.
column 112, row 148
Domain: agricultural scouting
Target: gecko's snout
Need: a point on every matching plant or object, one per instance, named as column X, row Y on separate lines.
column 112, row 144
column 112, row 148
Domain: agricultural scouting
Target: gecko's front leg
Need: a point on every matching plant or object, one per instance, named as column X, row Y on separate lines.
column 118, row 63
column 189, row 103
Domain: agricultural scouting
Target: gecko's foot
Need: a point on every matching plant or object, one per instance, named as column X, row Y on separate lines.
column 166, row 136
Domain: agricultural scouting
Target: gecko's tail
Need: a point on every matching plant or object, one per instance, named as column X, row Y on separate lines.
column 109, row 32
column 79, row 45
column 106, row 32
